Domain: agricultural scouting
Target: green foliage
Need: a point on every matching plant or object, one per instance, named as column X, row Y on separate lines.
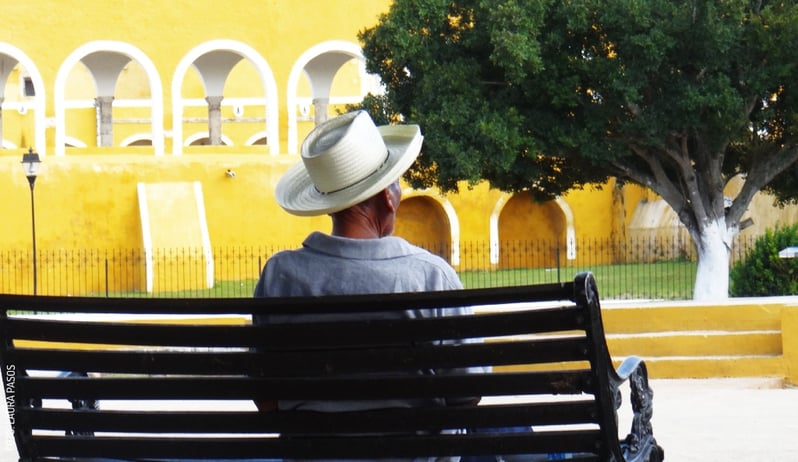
column 547, row 95
column 785, row 186
column 763, row 272
column 379, row 108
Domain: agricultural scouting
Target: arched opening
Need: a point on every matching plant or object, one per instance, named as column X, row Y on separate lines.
column 111, row 89
column 227, row 84
column 423, row 222
column 22, row 102
column 531, row 234
column 322, row 82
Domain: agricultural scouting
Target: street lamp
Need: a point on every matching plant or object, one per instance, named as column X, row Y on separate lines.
column 31, row 164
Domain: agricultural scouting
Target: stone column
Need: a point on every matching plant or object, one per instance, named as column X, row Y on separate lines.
column 320, row 109
column 105, row 120
column 214, row 120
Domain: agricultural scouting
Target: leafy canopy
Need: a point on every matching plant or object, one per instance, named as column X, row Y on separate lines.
column 548, row 95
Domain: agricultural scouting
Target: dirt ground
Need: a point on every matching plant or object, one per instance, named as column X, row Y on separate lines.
column 740, row 420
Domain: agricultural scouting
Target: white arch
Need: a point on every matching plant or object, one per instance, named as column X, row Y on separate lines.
column 200, row 135
column 570, row 234
column 269, row 86
column 72, row 141
column 339, row 46
column 39, row 102
column 156, row 89
column 252, row 139
column 135, row 137
column 451, row 215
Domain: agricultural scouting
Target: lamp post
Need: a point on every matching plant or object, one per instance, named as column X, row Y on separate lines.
column 31, row 164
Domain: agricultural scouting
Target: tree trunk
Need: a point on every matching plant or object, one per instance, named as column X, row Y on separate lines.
column 714, row 243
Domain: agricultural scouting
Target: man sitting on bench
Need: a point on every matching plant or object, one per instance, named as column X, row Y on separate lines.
column 350, row 170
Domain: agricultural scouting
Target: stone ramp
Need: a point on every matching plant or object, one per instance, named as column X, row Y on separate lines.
column 174, row 226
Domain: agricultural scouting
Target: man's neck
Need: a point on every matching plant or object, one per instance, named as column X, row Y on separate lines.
column 357, row 223
column 354, row 230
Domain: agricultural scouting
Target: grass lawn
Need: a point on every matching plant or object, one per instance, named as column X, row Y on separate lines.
column 661, row 280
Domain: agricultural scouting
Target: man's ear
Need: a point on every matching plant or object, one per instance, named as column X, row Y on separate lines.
column 387, row 198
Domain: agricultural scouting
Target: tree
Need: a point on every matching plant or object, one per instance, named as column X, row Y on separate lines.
column 547, row 95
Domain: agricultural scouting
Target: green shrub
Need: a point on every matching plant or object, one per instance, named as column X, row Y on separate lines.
column 762, row 271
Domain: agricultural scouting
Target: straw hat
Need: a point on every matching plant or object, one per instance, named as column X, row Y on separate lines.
column 345, row 161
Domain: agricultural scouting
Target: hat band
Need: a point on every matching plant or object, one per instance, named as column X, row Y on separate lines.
column 387, row 156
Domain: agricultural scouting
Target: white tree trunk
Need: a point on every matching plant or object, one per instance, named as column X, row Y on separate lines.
column 714, row 250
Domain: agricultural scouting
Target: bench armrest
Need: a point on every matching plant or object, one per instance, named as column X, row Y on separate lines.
column 640, row 444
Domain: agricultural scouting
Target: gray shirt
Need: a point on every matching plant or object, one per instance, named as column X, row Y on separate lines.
column 332, row 265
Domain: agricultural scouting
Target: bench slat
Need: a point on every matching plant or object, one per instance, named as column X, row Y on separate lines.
column 290, row 305
column 299, row 335
column 316, row 362
column 559, row 412
column 309, row 447
column 312, row 388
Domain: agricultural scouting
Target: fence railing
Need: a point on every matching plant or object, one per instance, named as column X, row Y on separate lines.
column 639, row 268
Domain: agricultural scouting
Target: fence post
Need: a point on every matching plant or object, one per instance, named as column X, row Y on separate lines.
column 559, row 281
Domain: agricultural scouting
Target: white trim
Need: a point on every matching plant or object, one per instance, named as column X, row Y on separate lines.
column 156, row 89
column 146, row 234
column 206, row 239
column 90, row 103
column 256, row 137
column 298, row 68
column 269, row 87
column 493, row 232
column 570, row 233
column 8, row 144
column 200, row 102
column 39, row 101
column 75, row 142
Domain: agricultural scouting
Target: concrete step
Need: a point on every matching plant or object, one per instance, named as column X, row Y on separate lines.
column 680, row 317
column 686, row 367
column 741, row 338
column 696, row 343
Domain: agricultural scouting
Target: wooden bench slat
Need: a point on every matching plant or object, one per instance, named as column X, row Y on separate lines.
column 296, row 335
column 316, row 362
column 365, row 387
column 314, row 447
column 560, row 412
column 289, row 305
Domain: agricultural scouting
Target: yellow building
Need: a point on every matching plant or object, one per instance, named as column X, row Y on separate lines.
column 165, row 125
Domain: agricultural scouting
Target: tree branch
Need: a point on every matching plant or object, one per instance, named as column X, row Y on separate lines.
column 761, row 173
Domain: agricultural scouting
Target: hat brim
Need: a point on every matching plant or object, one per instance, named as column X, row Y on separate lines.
column 297, row 195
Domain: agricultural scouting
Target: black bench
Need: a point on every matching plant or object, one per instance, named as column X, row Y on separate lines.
column 181, row 385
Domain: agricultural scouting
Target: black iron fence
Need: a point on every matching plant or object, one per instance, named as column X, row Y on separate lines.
column 636, row 268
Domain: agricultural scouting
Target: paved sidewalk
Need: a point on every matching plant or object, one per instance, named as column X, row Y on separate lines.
column 740, row 420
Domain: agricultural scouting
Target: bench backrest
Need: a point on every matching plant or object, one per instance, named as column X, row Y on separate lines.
column 181, row 384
